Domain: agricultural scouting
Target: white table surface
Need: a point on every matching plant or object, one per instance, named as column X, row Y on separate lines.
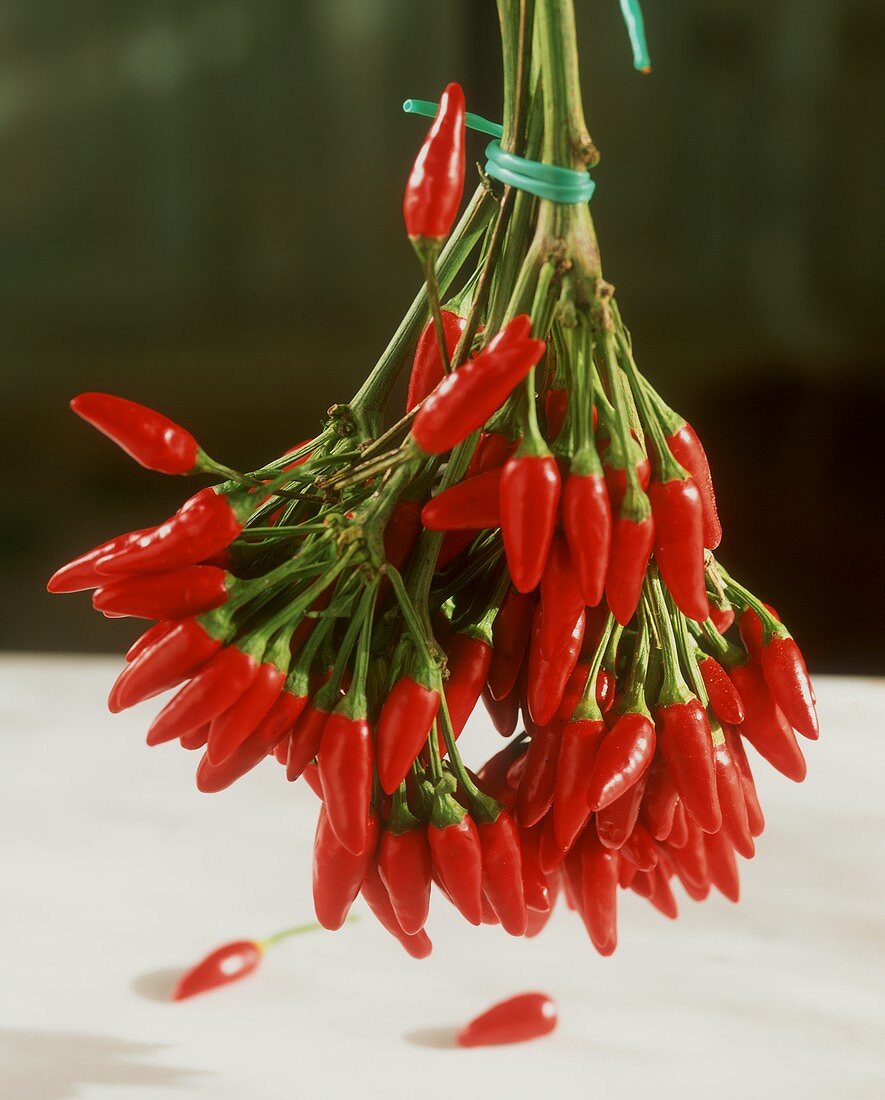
column 116, row 872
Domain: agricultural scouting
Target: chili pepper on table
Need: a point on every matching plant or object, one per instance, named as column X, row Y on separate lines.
column 427, row 366
column 516, row 1020
column 228, row 963
column 530, row 489
column 502, row 881
column 469, row 505
column 153, row 440
column 404, row 724
column 436, row 182
column 338, row 874
column 456, row 852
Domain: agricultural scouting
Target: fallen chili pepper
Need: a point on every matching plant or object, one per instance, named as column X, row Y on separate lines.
column 404, row 724
column 502, row 880
column 427, row 366
column 468, row 506
column 456, row 853
column 679, row 543
column 587, row 522
column 510, row 639
column 725, row 702
column 623, row 758
column 205, row 524
column 466, row 398
column 153, row 440
column 338, row 874
column 176, row 594
column 516, row 1020
column 530, row 488
column 436, row 182
column 225, row 964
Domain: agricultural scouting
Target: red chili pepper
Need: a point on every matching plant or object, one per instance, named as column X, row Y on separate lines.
column 510, row 638
column 616, row 821
column 659, row 800
column 152, row 634
column 538, row 780
column 153, row 440
column 579, row 746
column 630, row 551
column 404, row 725
column 687, row 449
column 516, row 1020
column 196, row 739
column 177, row 594
column 555, row 410
column 468, row 660
column 418, row 944
column 504, row 713
column 205, row 524
column 466, row 398
column 721, row 617
column 678, row 835
column 783, row 667
column 684, row 735
column 751, row 630
column 81, row 573
column 639, row 849
column 690, row 862
column 679, row 543
column 587, row 522
column 468, row 506
column 225, row 964
column 219, row 685
column 577, row 681
column 755, row 816
column 338, row 874
column 235, row 725
column 436, row 182
column 614, row 471
column 530, row 488
column 502, row 872
column 269, row 733
column 168, row 661
column 492, row 451
column 405, row 868
column 547, row 679
column 561, row 600
column 764, row 724
column 401, row 533
column 536, row 887
column 305, row 739
column 346, row 760
column 457, row 856
column 624, row 757
column 722, row 866
column 661, row 895
column 599, row 892
column 427, row 366
column 725, row 702
column 729, row 788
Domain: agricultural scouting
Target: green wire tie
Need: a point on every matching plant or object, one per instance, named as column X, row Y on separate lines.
column 547, row 181
column 632, row 14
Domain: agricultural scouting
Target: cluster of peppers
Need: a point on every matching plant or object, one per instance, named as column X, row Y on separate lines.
column 537, row 531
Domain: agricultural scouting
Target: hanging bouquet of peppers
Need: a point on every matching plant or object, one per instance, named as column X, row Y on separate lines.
column 537, row 530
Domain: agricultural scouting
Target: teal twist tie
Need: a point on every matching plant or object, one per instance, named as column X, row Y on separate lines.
column 547, row 181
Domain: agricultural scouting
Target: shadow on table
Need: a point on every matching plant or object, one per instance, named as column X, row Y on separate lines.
column 157, row 985
column 52, row 1065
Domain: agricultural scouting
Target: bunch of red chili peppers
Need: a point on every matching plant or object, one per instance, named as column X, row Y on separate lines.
column 537, row 532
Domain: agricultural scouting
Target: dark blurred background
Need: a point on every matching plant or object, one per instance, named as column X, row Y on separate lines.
column 200, row 209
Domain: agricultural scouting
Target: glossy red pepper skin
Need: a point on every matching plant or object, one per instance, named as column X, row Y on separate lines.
column 630, row 551
column 516, row 1020
column 561, row 600
column 165, row 663
column 547, row 679
column 722, row 866
column 679, row 543
column 555, row 410
column 224, row 680
column 729, row 788
column 402, row 531
column 338, row 874
column 81, row 573
column 204, row 525
column 687, row 449
column 436, row 182
column 639, row 849
column 530, row 489
column 457, row 858
column 616, row 822
column 305, row 740
column 152, row 634
column 504, row 713
column 177, row 594
column 659, row 800
column 468, row 660
column 755, row 816
column 722, row 618
column 270, row 732
column 587, row 521
column 403, row 727
column 510, row 639
column 764, row 724
column 405, row 867
column 346, row 761
column 623, row 758
column 502, row 872
column 574, row 689
column 661, row 894
column 238, row 722
column 678, row 835
column 225, row 964
column 374, row 892
column 783, row 667
column 614, row 471
column 536, row 888
column 196, row 739
column 492, row 451
column 725, row 702
column 750, row 630
column 471, row 505
column 537, row 783
column 466, row 398
column 427, row 366
column 599, row 892
column 684, row 735
column 578, row 750
column 153, row 440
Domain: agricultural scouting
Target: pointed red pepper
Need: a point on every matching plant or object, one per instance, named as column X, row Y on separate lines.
column 436, row 182
column 502, row 872
column 510, row 639
column 538, row 780
column 470, row 505
column 679, row 543
column 561, row 600
column 783, row 667
column 587, row 521
column 528, row 1016
column 402, row 531
column 81, row 573
column 346, row 760
column 616, row 821
column 547, row 679
column 338, row 874
column 659, row 800
column 427, row 366
column 152, row 634
column 230, row 729
column 457, row 855
column 722, row 866
column 530, row 488
column 725, row 702
column 468, row 658
column 504, row 713
column 755, row 816
column 404, row 724
column 684, row 734
column 599, row 892
column 623, row 758
column 729, row 788
column 225, row 964
column 687, row 449
column 578, row 750
column 417, row 944
column 630, row 550
column 306, row 737
column 405, row 868
column 555, row 410
column 764, row 724
column 176, row 594
column 153, row 440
